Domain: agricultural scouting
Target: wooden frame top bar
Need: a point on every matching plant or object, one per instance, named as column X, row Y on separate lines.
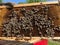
column 31, row 4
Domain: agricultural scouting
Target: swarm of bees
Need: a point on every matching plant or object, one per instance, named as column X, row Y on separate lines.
column 14, row 24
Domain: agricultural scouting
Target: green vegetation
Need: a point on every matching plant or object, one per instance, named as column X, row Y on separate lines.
column 53, row 42
column 1, row 1
column 32, row 1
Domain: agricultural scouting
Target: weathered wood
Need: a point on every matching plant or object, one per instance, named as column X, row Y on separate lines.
column 33, row 40
column 31, row 4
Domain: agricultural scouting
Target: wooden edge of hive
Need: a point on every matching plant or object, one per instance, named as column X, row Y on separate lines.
column 31, row 4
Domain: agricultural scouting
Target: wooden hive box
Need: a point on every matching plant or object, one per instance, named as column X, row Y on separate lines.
column 54, row 11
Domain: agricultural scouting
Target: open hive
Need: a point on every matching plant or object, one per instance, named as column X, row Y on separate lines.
column 33, row 9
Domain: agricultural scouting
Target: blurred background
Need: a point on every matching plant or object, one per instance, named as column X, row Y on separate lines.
column 25, row 1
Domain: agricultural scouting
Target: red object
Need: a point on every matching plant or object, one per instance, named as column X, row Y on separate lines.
column 42, row 42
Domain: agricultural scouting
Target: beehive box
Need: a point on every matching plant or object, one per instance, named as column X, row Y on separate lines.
column 54, row 10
